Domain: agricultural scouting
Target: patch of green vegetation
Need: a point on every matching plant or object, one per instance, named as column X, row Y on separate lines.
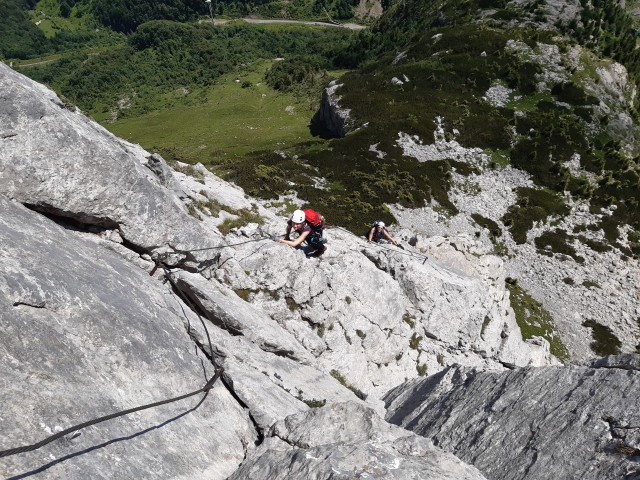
column 485, row 324
column 590, row 284
column 245, row 293
column 338, row 376
column 500, row 249
column 409, row 319
column 303, row 74
column 499, row 158
column 187, row 170
column 361, row 334
column 568, row 281
column 532, row 205
column 594, row 244
column 604, row 341
column 528, row 103
column 557, row 240
column 268, row 175
column 320, row 330
column 422, row 369
column 245, row 217
column 127, row 15
column 209, row 207
column 414, row 342
column 634, row 242
column 534, row 320
column 336, row 10
column 291, row 303
column 21, row 38
column 494, row 229
column 315, row 403
column 572, row 94
column 336, row 186
column 272, row 293
column 193, row 211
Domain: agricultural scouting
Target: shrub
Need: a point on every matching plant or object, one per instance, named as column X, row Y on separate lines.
column 604, row 341
column 533, row 319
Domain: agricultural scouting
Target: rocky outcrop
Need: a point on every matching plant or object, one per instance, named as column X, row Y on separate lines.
column 331, row 120
column 532, row 423
column 83, row 218
column 347, row 440
column 85, row 333
column 368, row 10
column 59, row 162
column 375, row 315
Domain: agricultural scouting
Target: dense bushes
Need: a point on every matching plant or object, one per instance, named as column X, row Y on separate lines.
column 289, row 73
column 19, row 37
column 296, row 9
column 168, row 55
column 126, row 15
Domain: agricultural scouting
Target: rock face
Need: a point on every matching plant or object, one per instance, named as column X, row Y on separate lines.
column 331, row 120
column 375, row 315
column 347, row 440
column 532, row 423
column 85, row 334
column 87, row 331
column 58, row 161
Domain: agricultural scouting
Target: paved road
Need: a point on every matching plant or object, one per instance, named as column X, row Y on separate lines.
column 352, row 26
column 20, row 65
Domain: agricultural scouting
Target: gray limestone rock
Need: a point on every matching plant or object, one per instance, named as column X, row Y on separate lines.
column 531, row 423
column 58, row 161
column 331, row 119
column 86, row 334
column 228, row 311
column 377, row 316
column 269, row 385
column 348, row 440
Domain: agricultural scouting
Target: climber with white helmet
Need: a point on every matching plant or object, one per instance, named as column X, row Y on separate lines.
column 378, row 231
column 309, row 226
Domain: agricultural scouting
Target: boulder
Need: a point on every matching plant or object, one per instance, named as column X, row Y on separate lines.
column 331, row 120
column 531, row 423
column 348, row 440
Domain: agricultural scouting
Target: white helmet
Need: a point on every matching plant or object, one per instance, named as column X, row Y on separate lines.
column 298, row 216
column 379, row 223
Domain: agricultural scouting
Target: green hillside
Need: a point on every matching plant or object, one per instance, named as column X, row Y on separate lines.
column 447, row 56
column 449, row 68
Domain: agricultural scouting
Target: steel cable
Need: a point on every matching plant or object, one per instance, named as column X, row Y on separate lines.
column 28, row 448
